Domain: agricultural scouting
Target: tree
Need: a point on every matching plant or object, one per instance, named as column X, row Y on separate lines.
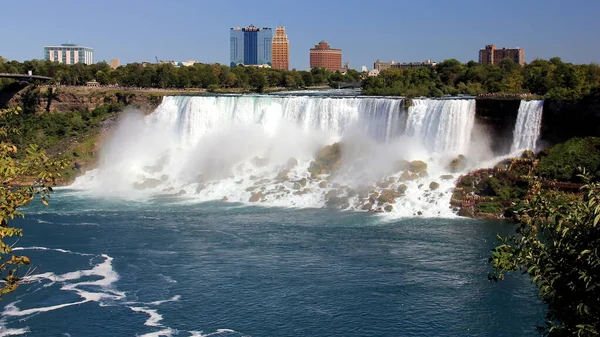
column 13, row 195
column 558, row 245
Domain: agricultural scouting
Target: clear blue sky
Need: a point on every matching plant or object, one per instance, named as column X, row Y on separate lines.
column 404, row 31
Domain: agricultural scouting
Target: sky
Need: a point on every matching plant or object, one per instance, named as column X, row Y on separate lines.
column 403, row 31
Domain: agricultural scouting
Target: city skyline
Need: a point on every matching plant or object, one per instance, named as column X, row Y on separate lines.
column 365, row 33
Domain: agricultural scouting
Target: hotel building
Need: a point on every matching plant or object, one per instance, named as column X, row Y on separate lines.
column 323, row 56
column 250, row 46
column 491, row 55
column 281, row 49
column 68, row 53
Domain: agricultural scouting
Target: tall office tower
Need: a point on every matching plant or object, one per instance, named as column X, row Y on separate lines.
column 323, row 56
column 69, row 53
column 494, row 56
column 250, row 46
column 281, row 49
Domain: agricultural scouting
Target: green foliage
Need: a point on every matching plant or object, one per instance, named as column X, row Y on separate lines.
column 558, row 245
column 165, row 75
column 562, row 161
column 552, row 79
column 491, row 207
column 14, row 193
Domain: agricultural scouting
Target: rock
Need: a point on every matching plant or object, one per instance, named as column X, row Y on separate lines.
column 251, row 188
column 402, row 188
column 253, row 178
column 327, row 160
column 263, row 181
column 148, row 183
column 401, row 165
column 468, row 212
column 225, row 198
column 323, row 184
column 260, row 162
column 181, row 192
column 419, row 213
column 367, row 207
column 446, row 177
column 388, row 196
column 457, row 164
column 528, row 154
column 423, row 174
column 302, row 182
column 291, row 163
column 434, row 186
column 256, row 197
column 351, row 193
column 200, row 188
column 388, row 208
column 383, row 184
column 337, row 203
column 283, row 175
column 304, row 191
column 239, row 181
column 331, row 194
column 417, row 166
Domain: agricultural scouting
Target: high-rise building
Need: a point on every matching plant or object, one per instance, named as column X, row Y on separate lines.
column 491, row 55
column 250, row 46
column 323, row 56
column 69, row 53
column 281, row 49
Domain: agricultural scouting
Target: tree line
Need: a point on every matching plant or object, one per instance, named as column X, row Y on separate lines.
column 552, row 78
column 167, row 76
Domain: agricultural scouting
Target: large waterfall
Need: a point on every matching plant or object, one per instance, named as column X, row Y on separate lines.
column 528, row 125
column 259, row 148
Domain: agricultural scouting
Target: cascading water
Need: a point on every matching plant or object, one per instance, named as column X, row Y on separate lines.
column 260, row 149
column 444, row 126
column 528, row 125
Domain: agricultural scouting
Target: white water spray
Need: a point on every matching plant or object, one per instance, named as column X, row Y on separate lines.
column 259, row 148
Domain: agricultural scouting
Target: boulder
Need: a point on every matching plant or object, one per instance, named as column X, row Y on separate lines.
column 423, row 174
column 256, row 197
column 367, row 207
column 327, row 160
column 446, row 177
column 457, row 164
column 291, row 163
column 147, row 183
column 331, row 194
column 401, row 165
column 337, row 202
column 225, row 198
column 402, row 188
column 323, row 184
column 434, row 186
column 388, row 208
column 260, row 162
column 388, row 196
column 417, row 166
column 283, row 175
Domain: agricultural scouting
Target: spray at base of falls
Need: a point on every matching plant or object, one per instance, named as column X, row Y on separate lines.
column 263, row 149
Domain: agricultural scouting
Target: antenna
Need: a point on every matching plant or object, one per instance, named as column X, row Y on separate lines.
column 156, row 57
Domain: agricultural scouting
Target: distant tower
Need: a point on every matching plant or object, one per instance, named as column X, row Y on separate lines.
column 281, row 49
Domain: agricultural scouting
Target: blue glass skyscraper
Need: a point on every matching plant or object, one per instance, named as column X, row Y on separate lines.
column 250, row 46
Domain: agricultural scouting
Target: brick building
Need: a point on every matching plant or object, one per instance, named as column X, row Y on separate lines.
column 323, row 56
column 494, row 56
column 281, row 50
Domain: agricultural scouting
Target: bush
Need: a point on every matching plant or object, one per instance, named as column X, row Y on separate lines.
column 562, row 161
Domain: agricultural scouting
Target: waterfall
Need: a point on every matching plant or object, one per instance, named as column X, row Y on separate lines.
column 260, row 148
column 443, row 126
column 528, row 125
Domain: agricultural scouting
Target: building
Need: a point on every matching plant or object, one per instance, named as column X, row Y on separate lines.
column 115, row 63
column 250, row 46
column 491, row 55
column 281, row 49
column 69, row 53
column 379, row 66
column 323, row 56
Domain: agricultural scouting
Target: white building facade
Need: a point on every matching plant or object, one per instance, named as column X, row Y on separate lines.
column 69, row 54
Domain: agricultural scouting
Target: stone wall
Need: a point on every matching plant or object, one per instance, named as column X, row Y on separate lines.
column 497, row 118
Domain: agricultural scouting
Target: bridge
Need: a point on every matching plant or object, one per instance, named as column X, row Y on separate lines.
column 25, row 77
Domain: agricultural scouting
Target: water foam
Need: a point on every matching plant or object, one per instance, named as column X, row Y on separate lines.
column 233, row 147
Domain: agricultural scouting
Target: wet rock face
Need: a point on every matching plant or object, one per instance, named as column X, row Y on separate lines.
column 327, row 160
column 434, row 185
column 417, row 166
column 457, row 164
column 256, row 197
